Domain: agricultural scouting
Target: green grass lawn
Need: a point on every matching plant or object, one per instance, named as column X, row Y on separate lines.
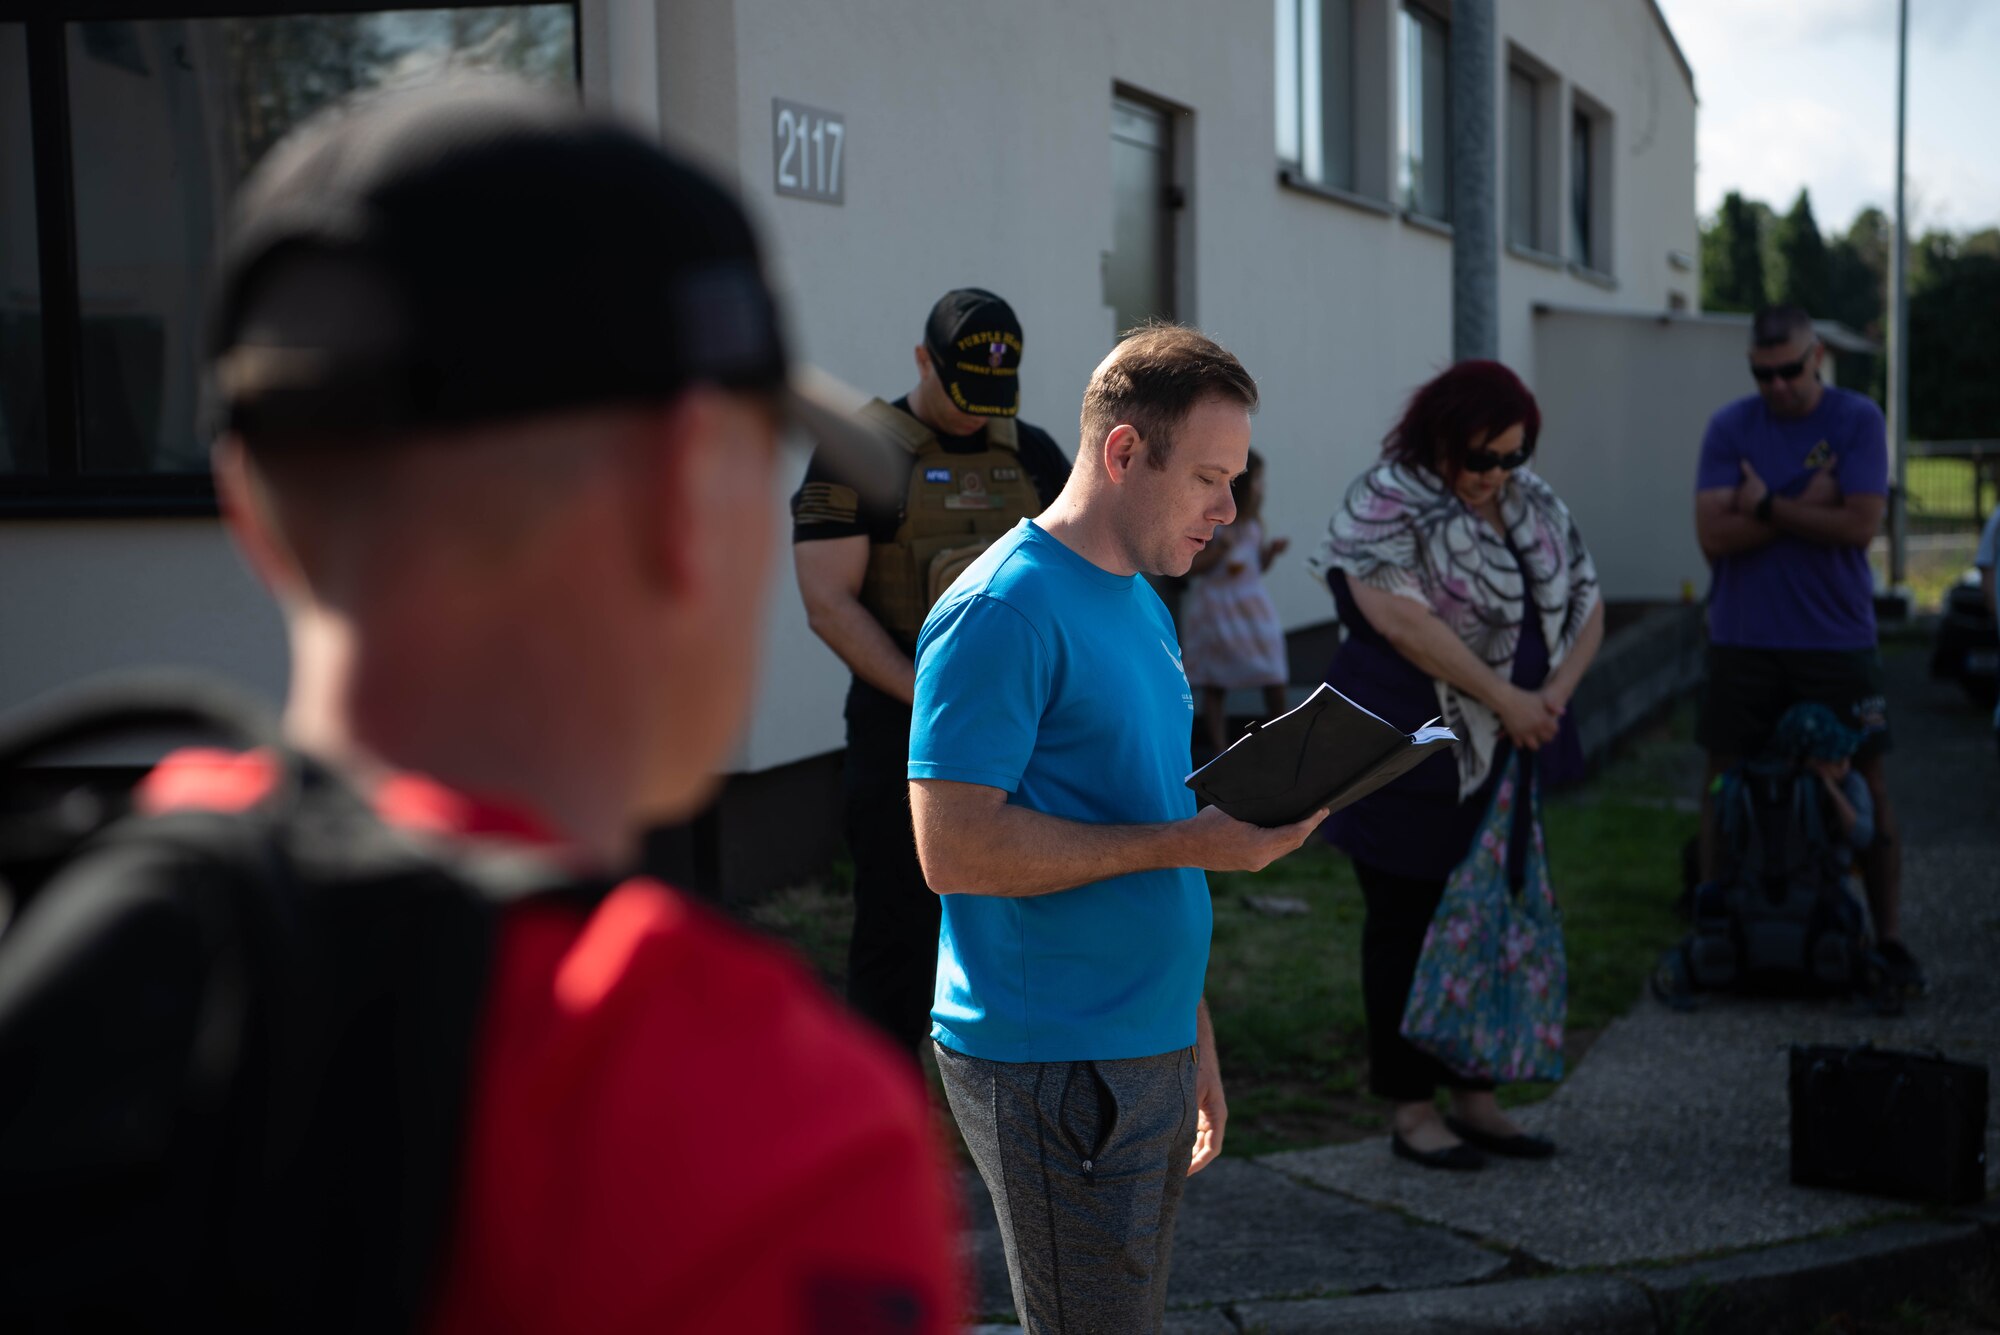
column 1941, row 488
column 1285, row 992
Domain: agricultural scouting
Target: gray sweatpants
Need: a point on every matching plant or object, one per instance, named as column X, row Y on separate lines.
column 1085, row 1162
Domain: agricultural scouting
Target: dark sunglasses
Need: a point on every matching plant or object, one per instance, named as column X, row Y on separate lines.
column 1789, row 371
column 1485, row 461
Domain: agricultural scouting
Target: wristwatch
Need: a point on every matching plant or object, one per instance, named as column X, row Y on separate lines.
column 1763, row 510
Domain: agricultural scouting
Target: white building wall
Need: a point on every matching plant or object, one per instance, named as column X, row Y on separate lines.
column 83, row 596
column 1618, row 57
column 978, row 152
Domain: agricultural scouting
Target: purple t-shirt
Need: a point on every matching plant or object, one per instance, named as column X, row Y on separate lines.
column 1792, row 593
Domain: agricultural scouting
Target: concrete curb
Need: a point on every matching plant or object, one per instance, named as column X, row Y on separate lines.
column 1791, row 1287
column 1565, row 1305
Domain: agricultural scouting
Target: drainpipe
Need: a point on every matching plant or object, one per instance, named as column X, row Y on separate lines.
column 1475, row 230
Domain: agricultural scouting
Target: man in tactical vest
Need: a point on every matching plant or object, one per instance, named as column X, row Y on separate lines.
column 869, row 570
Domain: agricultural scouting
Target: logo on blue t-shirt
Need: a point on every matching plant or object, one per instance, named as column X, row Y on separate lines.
column 1187, row 696
column 1820, row 456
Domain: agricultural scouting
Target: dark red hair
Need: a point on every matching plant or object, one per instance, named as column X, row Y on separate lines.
column 1474, row 400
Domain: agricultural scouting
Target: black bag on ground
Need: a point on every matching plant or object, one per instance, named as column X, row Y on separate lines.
column 1903, row 1124
column 234, row 1047
column 1780, row 914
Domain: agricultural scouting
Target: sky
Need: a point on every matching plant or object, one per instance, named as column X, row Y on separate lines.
column 1803, row 93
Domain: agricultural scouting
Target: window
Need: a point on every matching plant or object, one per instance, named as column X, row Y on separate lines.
column 166, row 117
column 1316, row 90
column 1424, row 145
column 1589, row 201
column 1579, row 191
column 1139, row 269
column 1524, row 186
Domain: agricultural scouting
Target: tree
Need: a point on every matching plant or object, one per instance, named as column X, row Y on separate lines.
column 1803, row 277
column 1732, row 260
column 1954, row 330
column 1858, row 274
column 1858, row 296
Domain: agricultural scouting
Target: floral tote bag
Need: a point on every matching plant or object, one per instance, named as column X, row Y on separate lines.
column 1491, row 987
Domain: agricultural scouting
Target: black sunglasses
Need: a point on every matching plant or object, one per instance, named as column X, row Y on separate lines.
column 1485, row 461
column 1789, row 371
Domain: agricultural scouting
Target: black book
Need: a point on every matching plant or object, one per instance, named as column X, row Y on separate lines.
column 1329, row 752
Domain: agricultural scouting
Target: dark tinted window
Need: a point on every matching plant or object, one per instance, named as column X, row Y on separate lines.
column 167, row 116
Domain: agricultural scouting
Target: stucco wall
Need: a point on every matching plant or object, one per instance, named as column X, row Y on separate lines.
column 1623, row 426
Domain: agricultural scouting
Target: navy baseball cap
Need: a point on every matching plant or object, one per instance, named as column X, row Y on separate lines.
column 975, row 342
column 478, row 250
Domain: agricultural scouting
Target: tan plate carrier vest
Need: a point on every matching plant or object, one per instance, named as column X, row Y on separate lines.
column 956, row 507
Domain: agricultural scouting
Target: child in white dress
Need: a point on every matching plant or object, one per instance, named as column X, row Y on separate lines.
column 1229, row 629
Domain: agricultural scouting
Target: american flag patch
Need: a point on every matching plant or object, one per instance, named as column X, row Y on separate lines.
column 826, row 503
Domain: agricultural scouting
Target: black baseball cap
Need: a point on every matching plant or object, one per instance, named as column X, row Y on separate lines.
column 478, row 250
column 975, row 342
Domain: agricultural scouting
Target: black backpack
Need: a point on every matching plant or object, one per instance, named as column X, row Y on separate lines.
column 234, row 1048
column 1779, row 915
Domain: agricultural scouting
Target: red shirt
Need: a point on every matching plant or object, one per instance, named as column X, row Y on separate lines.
column 671, row 1126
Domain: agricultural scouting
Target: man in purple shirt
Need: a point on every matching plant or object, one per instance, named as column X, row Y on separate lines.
column 1791, row 489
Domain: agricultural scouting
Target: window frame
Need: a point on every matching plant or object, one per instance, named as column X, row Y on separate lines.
column 1422, row 16
column 1370, row 113
column 66, row 489
column 1547, row 168
column 1526, row 195
column 1597, row 260
column 1304, row 125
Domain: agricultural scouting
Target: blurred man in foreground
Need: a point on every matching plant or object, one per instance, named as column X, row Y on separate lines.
column 503, row 387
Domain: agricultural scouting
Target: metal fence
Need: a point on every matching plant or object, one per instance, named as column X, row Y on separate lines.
column 1953, row 484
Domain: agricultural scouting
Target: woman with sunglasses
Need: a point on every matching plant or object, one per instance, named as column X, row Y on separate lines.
column 1466, row 592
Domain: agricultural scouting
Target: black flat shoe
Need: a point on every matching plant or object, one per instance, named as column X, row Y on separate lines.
column 1458, row 1158
column 1518, row 1146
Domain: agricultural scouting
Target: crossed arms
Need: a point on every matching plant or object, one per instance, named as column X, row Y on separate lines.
column 1726, row 523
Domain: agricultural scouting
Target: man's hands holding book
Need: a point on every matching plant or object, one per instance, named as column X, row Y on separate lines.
column 1217, row 841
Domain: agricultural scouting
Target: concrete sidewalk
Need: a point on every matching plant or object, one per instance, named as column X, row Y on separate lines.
column 1670, row 1203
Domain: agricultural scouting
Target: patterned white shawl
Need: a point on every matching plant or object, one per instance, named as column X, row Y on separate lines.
column 1401, row 530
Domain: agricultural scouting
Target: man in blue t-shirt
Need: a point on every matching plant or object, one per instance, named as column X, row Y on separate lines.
column 1791, row 488
column 1047, row 752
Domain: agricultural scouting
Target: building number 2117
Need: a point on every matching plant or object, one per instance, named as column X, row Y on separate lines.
column 806, row 148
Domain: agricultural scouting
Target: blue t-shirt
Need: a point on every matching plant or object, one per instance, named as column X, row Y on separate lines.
column 1792, row 593
column 1988, row 555
column 1060, row 683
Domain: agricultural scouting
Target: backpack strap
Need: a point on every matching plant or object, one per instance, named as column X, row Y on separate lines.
column 904, row 428
column 900, row 426
column 304, row 1112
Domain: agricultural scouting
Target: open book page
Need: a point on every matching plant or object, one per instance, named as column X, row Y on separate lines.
column 1328, row 752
